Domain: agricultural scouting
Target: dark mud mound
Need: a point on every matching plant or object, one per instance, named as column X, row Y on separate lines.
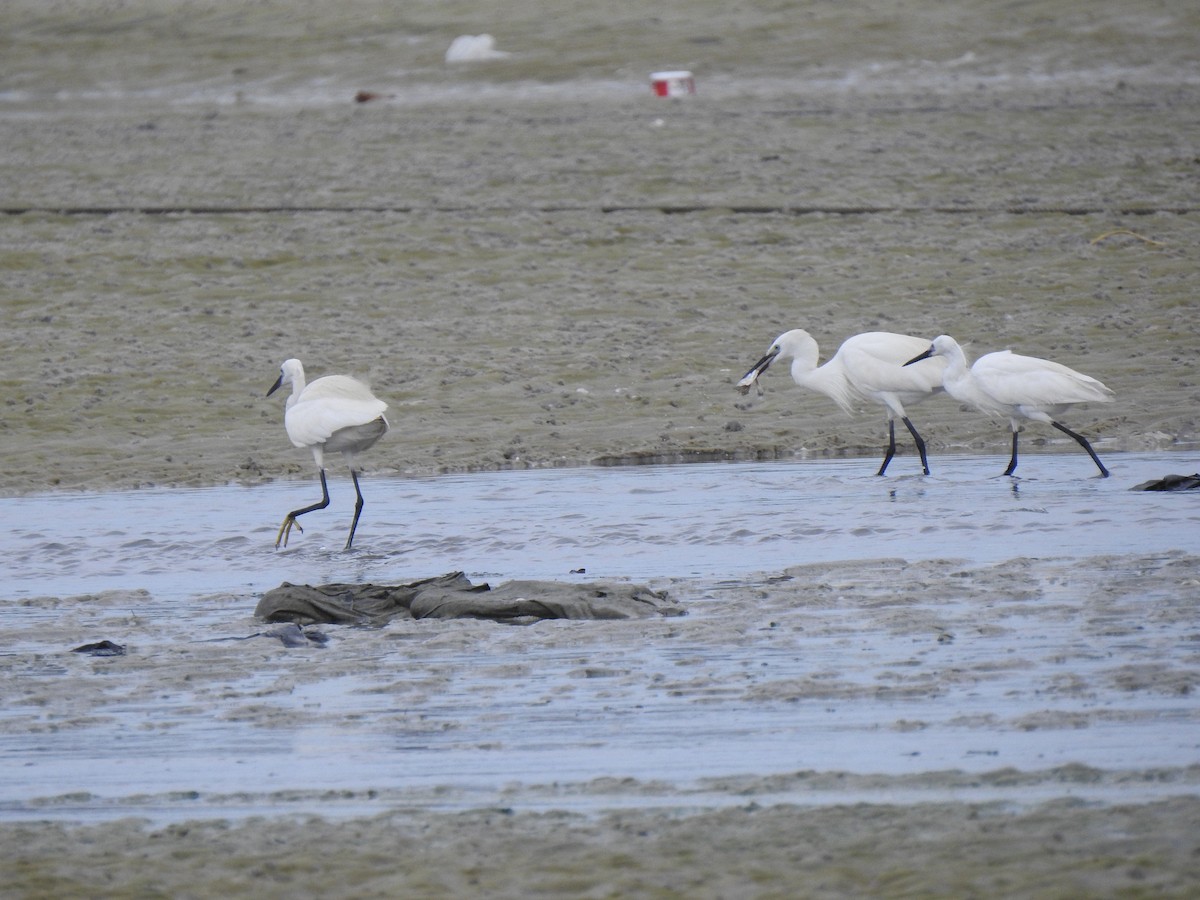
column 453, row 596
column 1171, row 483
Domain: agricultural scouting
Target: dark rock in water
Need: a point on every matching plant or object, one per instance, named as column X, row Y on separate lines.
column 1171, row 483
column 292, row 635
column 289, row 634
column 100, row 648
column 454, row 596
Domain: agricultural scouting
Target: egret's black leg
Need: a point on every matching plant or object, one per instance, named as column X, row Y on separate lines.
column 1012, row 463
column 918, row 441
column 891, row 448
column 1085, row 445
column 358, row 505
column 285, row 529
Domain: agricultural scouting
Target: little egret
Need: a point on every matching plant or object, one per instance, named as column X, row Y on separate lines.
column 867, row 367
column 335, row 413
column 1006, row 384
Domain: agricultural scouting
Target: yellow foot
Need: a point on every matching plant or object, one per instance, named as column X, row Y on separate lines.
column 285, row 531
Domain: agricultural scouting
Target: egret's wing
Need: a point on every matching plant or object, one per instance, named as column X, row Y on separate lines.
column 339, row 387
column 1016, row 380
column 328, row 405
column 874, row 361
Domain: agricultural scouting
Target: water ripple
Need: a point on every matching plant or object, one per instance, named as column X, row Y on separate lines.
column 639, row 523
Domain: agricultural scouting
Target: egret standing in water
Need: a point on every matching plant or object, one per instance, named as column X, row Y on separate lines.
column 1021, row 388
column 335, row 413
column 867, row 367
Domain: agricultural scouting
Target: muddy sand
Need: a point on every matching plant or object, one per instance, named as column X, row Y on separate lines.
column 871, row 727
column 537, row 263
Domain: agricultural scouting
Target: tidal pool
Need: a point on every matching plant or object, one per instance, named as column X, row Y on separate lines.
column 901, row 627
column 700, row 520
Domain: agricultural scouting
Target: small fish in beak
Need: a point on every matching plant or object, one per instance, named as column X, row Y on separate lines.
column 761, row 366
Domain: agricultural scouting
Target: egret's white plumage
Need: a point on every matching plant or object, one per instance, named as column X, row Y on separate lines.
column 867, row 367
column 335, row 413
column 1020, row 388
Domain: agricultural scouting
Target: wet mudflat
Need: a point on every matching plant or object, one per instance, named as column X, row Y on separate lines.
column 1053, row 689
column 908, row 627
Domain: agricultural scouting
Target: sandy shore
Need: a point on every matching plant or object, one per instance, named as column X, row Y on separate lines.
column 954, row 850
column 543, row 265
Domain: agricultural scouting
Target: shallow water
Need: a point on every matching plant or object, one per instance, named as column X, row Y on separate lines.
column 874, row 679
column 642, row 523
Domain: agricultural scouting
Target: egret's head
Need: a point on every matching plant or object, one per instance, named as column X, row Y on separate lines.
column 289, row 373
column 783, row 346
column 942, row 345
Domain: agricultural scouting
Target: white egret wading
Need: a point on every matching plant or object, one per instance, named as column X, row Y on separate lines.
column 334, row 413
column 1019, row 388
column 867, row 367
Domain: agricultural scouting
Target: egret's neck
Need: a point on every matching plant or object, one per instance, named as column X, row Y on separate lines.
column 960, row 382
column 804, row 360
column 826, row 379
column 956, row 366
column 297, row 390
